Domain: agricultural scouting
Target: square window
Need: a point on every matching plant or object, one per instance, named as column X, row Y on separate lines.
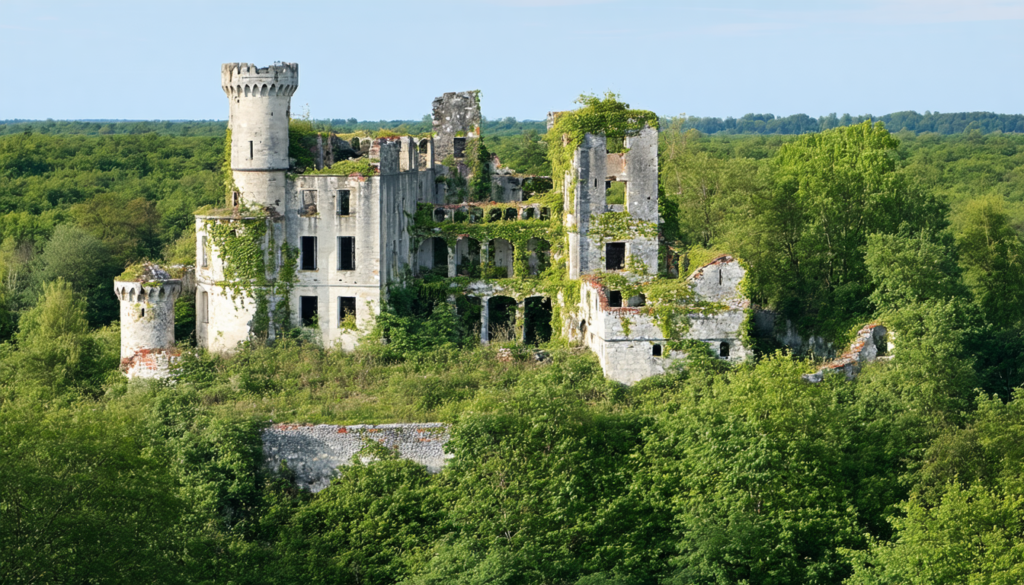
column 307, row 253
column 343, row 198
column 615, row 255
column 614, row 298
column 346, row 253
column 459, row 146
column 656, row 350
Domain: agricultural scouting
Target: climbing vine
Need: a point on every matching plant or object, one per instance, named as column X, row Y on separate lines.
column 608, row 116
column 620, row 225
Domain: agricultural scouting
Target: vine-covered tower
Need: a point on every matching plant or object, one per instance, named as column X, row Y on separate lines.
column 147, row 294
column 259, row 108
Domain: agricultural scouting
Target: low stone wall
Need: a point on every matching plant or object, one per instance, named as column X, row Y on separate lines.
column 314, row 452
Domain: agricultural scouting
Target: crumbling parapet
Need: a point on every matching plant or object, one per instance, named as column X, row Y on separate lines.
column 314, row 452
column 871, row 343
column 147, row 294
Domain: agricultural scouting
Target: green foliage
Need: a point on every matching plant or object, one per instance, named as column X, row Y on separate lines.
column 355, row 166
column 524, row 153
column 85, row 263
column 478, row 160
column 906, row 270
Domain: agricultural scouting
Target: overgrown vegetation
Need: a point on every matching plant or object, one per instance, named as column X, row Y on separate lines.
column 709, row 474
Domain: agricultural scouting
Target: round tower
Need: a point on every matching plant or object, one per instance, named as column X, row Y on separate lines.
column 147, row 294
column 260, row 106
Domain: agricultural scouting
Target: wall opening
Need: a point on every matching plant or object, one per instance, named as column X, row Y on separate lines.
column 439, row 215
column 459, row 147
column 346, row 253
column 143, row 312
column 614, row 298
column 494, row 215
column 308, row 202
column 639, row 300
column 346, row 307
column 308, row 253
column 250, row 150
column 468, row 310
column 723, row 350
column 433, row 256
column 615, row 255
column 500, row 257
column 204, row 307
column 537, row 324
column 423, row 146
column 206, row 258
column 540, row 255
column 656, row 350
column 234, row 198
column 344, row 195
column 467, row 257
column 615, row 194
column 501, row 312
column 308, row 310
column 511, row 214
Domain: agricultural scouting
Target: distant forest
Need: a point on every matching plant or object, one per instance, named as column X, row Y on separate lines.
column 939, row 123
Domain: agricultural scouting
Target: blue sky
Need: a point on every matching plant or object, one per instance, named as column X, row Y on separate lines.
column 387, row 59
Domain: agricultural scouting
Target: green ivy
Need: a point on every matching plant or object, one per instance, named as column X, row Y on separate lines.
column 357, row 166
column 620, row 225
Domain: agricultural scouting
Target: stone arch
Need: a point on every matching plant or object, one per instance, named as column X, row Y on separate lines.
column 439, row 214
column 539, row 255
column 423, row 146
column 501, row 318
column 131, row 295
column 476, row 215
column 433, row 256
column 500, row 258
column 264, row 91
column 467, row 257
column 246, row 90
column 511, row 214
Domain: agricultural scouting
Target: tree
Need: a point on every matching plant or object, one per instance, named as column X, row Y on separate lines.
column 808, row 228
column 907, row 270
column 85, row 263
column 127, row 225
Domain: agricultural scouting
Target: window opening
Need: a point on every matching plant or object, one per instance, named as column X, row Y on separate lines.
column 346, row 253
column 459, row 146
column 343, row 198
column 346, row 307
column 250, row 150
column 615, row 194
column 308, row 202
column 615, row 255
column 206, row 260
column 205, row 301
column 719, row 276
column 656, row 350
column 308, row 252
column 723, row 350
column 308, row 310
column 143, row 312
column 639, row 300
column 234, row 198
column 614, row 298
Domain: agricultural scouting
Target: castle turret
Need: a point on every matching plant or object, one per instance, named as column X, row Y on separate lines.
column 147, row 294
column 260, row 106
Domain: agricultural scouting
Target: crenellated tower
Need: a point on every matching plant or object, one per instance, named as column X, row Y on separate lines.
column 260, row 106
column 147, row 294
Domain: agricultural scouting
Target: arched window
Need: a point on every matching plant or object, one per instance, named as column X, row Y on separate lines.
column 656, row 350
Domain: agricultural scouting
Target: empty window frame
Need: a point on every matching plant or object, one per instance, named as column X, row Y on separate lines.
column 204, row 307
column 205, row 253
column 615, row 256
column 343, row 201
column 346, row 307
column 250, row 150
column 307, row 254
column 308, row 202
column 614, row 298
column 723, row 350
column 346, row 253
column 459, row 146
column 656, row 350
column 308, row 309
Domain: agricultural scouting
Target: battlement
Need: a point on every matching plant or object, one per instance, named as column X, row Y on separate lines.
column 245, row 79
column 148, row 292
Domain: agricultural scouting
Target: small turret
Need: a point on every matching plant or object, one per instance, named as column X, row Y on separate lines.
column 147, row 294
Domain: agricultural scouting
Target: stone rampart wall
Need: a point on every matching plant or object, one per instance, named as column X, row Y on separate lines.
column 314, row 452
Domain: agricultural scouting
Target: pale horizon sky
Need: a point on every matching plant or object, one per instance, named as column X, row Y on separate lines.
column 388, row 59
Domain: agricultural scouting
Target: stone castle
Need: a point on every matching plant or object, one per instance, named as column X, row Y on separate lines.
column 332, row 244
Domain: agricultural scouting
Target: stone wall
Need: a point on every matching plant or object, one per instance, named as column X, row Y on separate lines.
column 454, row 113
column 314, row 452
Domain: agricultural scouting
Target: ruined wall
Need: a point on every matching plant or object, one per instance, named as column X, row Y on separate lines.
column 314, row 452
column 455, row 114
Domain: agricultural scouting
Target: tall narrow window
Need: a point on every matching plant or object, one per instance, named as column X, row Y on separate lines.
column 723, row 350
column 205, row 256
column 204, row 309
column 615, row 255
column 308, row 253
column 346, row 307
column 250, row 150
column 343, row 197
column 346, row 253
column 308, row 310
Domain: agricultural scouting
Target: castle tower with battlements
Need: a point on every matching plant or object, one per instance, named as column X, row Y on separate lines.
column 259, row 108
column 147, row 294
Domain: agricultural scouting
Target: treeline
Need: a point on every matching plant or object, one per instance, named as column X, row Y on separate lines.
column 948, row 123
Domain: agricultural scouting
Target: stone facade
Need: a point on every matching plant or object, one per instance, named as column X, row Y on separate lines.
column 314, row 452
column 456, row 115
